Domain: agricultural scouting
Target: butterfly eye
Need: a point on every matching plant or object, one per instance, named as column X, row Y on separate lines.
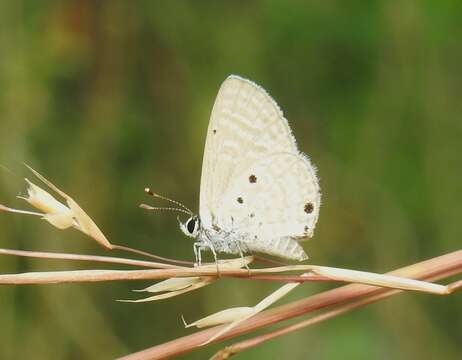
column 191, row 225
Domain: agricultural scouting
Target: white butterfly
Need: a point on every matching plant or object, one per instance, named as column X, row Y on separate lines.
column 258, row 192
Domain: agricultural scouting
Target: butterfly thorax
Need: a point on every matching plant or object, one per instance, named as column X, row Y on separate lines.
column 213, row 237
column 221, row 240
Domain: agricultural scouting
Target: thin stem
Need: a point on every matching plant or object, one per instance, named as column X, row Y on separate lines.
column 79, row 276
column 386, row 280
column 287, row 278
column 144, row 253
column 322, row 273
column 17, row 211
column 81, row 257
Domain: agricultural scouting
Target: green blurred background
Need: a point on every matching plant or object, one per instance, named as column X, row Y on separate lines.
column 106, row 97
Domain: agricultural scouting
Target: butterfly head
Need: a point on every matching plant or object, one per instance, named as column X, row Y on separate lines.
column 191, row 227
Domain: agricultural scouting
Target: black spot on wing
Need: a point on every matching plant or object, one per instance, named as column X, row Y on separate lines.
column 240, row 200
column 308, row 208
column 252, row 179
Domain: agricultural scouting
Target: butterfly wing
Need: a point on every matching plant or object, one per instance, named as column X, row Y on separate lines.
column 251, row 155
column 274, row 204
column 246, row 125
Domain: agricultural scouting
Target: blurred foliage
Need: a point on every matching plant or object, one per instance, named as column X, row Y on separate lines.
column 106, row 97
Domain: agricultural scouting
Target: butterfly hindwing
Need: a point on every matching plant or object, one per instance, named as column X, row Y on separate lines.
column 274, row 204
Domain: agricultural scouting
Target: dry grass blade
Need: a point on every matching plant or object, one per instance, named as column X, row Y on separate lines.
column 221, row 317
column 339, row 310
column 382, row 280
column 204, row 282
column 262, row 305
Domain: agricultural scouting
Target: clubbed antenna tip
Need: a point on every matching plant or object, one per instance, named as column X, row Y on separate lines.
column 184, row 209
column 149, row 191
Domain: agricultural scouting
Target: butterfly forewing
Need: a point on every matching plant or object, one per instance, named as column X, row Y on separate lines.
column 246, row 125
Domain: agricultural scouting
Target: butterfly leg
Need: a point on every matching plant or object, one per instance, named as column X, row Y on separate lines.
column 241, row 253
column 197, row 246
column 208, row 242
column 212, row 249
column 197, row 253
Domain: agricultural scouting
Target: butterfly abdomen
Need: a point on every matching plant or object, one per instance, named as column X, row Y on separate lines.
column 284, row 247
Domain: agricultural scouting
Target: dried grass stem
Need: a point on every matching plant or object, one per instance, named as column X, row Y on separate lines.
column 435, row 268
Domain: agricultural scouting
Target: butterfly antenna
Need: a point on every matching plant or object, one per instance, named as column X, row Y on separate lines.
column 152, row 193
column 5, row 168
column 148, row 207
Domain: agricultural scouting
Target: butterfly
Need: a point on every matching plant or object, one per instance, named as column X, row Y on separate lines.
column 258, row 192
